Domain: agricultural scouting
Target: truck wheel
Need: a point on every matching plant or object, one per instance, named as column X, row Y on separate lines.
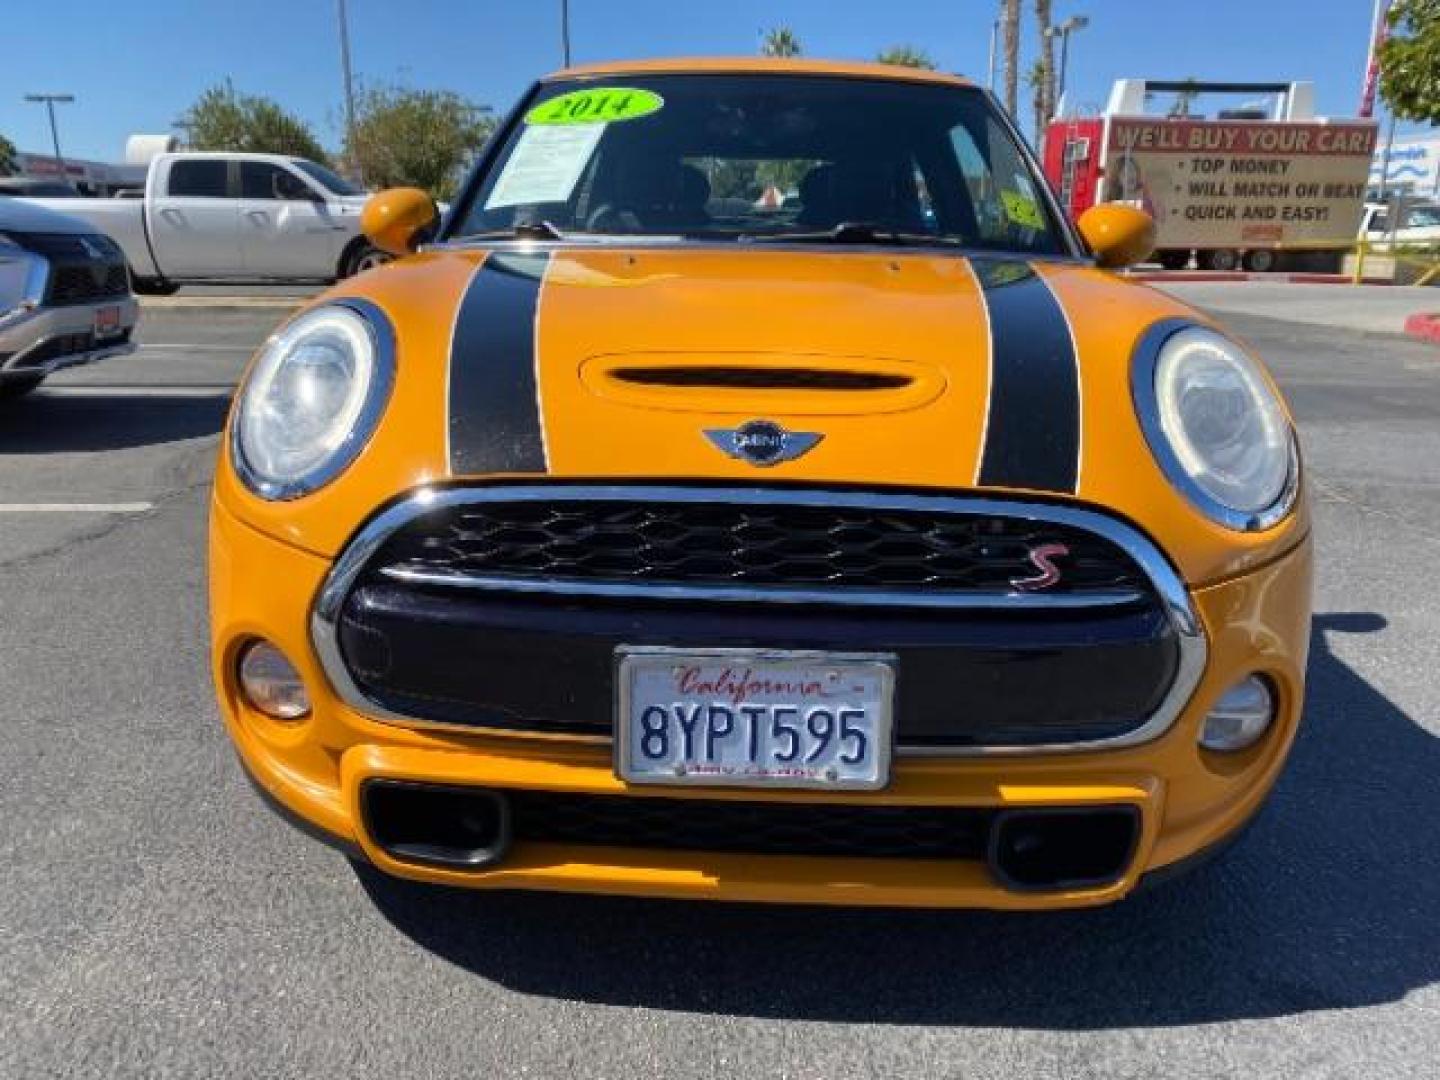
column 1174, row 260
column 154, row 287
column 1222, row 259
column 15, row 388
column 1261, row 260
column 361, row 257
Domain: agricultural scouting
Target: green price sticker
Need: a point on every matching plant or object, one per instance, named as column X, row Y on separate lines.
column 1022, row 210
column 602, row 105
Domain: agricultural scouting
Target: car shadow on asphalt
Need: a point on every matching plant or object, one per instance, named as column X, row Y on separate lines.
column 99, row 420
column 1331, row 901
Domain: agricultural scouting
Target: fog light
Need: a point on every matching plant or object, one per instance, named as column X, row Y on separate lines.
column 271, row 683
column 1240, row 717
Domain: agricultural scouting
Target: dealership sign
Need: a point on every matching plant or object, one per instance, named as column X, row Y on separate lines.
column 1413, row 166
column 1244, row 183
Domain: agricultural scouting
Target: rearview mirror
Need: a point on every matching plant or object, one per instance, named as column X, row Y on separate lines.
column 396, row 219
column 1119, row 235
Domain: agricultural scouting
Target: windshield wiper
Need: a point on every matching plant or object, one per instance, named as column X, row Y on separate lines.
column 521, row 230
column 855, row 232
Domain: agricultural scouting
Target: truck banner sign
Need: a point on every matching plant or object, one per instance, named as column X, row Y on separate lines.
column 1243, row 183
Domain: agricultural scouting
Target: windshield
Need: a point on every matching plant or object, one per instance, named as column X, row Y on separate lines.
column 1422, row 217
column 757, row 157
column 326, row 179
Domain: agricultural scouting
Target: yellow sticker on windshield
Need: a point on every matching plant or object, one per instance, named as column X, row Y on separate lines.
column 1022, row 210
column 602, row 105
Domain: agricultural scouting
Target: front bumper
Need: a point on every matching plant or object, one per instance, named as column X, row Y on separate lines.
column 1186, row 799
column 43, row 340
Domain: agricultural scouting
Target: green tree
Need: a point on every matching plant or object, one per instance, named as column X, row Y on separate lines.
column 733, row 179
column 222, row 119
column 8, row 165
column 416, row 138
column 780, row 41
column 1410, row 61
column 906, row 56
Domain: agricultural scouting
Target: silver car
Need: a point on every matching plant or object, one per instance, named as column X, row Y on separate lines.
column 64, row 296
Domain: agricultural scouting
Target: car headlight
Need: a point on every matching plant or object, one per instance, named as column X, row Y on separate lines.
column 1216, row 426
column 312, row 399
column 24, row 278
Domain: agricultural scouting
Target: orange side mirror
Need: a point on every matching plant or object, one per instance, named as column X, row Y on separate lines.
column 394, row 219
column 1119, row 235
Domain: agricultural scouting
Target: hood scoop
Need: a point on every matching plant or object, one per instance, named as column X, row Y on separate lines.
column 775, row 382
column 761, row 378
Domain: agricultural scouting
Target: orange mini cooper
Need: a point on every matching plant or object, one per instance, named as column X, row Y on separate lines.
column 755, row 488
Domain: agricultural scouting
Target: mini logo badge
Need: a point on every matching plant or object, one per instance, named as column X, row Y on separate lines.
column 1042, row 558
column 763, row 443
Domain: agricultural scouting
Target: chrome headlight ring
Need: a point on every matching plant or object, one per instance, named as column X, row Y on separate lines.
column 24, row 280
column 1159, row 413
column 351, row 421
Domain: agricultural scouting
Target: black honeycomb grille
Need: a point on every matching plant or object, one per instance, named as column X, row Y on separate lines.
column 95, row 281
column 910, row 832
column 82, row 267
column 773, row 545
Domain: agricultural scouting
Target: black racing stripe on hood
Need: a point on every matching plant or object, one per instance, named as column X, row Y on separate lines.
column 494, row 400
column 1032, row 429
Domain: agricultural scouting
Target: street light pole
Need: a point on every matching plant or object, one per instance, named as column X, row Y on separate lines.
column 349, row 90
column 1064, row 62
column 1063, row 32
column 49, row 101
column 565, row 29
column 994, row 40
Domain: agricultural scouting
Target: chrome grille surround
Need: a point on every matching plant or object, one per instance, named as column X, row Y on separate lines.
column 1169, row 589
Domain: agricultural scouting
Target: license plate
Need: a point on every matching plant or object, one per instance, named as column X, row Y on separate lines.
column 107, row 322
column 752, row 718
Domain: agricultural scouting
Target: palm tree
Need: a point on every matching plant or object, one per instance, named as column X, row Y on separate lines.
column 1010, row 35
column 1045, row 93
column 906, row 56
column 1035, row 79
column 780, row 41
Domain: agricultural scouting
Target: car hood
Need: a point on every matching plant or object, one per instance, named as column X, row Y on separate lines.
column 925, row 371
column 21, row 215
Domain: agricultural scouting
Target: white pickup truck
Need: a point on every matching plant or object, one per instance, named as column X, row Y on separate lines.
column 233, row 217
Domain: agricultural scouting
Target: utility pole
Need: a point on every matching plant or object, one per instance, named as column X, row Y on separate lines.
column 49, row 101
column 349, row 90
column 565, row 30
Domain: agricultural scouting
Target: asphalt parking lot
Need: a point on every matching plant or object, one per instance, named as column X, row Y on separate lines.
column 156, row 920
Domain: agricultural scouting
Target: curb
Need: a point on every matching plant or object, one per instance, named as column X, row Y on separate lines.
column 1425, row 326
column 1296, row 278
column 223, row 303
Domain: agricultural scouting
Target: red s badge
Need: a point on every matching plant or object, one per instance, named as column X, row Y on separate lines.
column 1049, row 573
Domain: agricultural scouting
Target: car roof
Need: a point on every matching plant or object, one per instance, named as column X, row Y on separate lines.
column 231, row 155
column 760, row 65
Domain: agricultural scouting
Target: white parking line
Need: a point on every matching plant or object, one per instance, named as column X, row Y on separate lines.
column 136, row 391
column 194, row 348
column 76, row 508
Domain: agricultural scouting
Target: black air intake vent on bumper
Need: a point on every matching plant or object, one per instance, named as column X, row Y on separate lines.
column 1026, row 850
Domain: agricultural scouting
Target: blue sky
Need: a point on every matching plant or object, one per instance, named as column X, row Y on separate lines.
column 135, row 66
